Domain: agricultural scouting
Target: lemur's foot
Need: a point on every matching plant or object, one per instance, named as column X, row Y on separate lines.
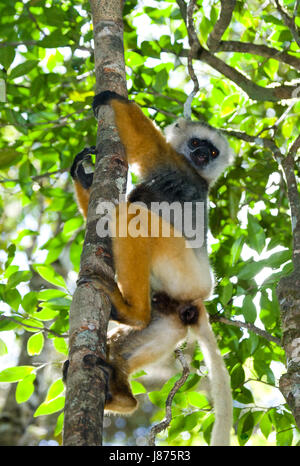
column 89, row 361
column 100, row 282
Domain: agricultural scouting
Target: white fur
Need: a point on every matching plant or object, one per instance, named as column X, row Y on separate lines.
column 186, row 276
column 182, row 130
column 219, row 382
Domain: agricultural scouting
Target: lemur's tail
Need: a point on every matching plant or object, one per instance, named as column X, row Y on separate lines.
column 219, row 380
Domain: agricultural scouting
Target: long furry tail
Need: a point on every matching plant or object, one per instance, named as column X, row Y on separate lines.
column 219, row 380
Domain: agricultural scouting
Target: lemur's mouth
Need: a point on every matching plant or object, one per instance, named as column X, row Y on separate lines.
column 199, row 158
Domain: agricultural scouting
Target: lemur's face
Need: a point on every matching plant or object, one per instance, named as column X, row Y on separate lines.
column 202, row 151
column 204, row 147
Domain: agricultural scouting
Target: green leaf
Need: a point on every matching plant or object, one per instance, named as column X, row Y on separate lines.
column 60, row 345
column 59, row 424
column 197, row 399
column 226, row 293
column 29, row 302
column 256, row 235
column 284, row 438
column 237, row 249
column 263, row 370
column 46, row 295
column 35, row 344
column 278, row 258
column 6, row 324
column 55, row 39
column 7, row 55
column 161, row 80
column 72, row 225
column 176, row 427
column 266, row 425
column 11, row 250
column 45, row 314
column 25, row 388
column 157, row 398
column 137, row 387
column 249, row 309
column 3, row 348
column 14, row 374
column 18, row 277
column 237, row 376
column 31, row 325
column 48, row 273
column 245, row 428
column 50, row 407
column 250, row 270
column 13, row 298
column 8, row 157
column 23, row 68
column 55, row 389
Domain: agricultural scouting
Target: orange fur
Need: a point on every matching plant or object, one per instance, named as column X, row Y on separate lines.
column 160, row 263
column 83, row 196
column 145, row 145
column 175, row 267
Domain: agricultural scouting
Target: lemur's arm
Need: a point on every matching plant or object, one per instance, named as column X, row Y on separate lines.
column 82, row 174
column 144, row 144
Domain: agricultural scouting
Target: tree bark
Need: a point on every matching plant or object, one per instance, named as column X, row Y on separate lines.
column 89, row 314
column 288, row 292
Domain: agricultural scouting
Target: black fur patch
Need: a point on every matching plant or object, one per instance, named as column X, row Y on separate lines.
column 162, row 303
column 103, row 98
column 65, row 370
column 188, row 314
column 170, row 185
column 77, row 170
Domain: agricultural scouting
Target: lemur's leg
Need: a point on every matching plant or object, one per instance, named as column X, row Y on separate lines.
column 130, row 350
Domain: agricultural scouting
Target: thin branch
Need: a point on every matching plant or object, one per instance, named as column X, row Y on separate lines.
column 33, row 18
column 264, row 142
column 36, row 42
column 178, row 384
column 44, row 329
column 194, row 44
column 289, row 22
column 253, row 90
column 260, row 50
column 248, row 326
column 227, row 8
column 35, row 177
column 16, row 43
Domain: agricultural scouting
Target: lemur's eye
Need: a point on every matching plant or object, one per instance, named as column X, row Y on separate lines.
column 194, row 143
column 214, row 153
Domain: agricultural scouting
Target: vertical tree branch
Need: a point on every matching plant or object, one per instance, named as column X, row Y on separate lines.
column 288, row 292
column 90, row 309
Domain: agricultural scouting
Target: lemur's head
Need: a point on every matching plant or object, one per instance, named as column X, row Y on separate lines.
column 203, row 146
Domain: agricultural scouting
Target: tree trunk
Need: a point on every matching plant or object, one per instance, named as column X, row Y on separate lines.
column 288, row 292
column 90, row 309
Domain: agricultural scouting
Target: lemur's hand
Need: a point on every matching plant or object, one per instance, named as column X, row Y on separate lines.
column 82, row 169
column 103, row 98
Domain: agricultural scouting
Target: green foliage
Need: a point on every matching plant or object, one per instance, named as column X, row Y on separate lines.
column 47, row 119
